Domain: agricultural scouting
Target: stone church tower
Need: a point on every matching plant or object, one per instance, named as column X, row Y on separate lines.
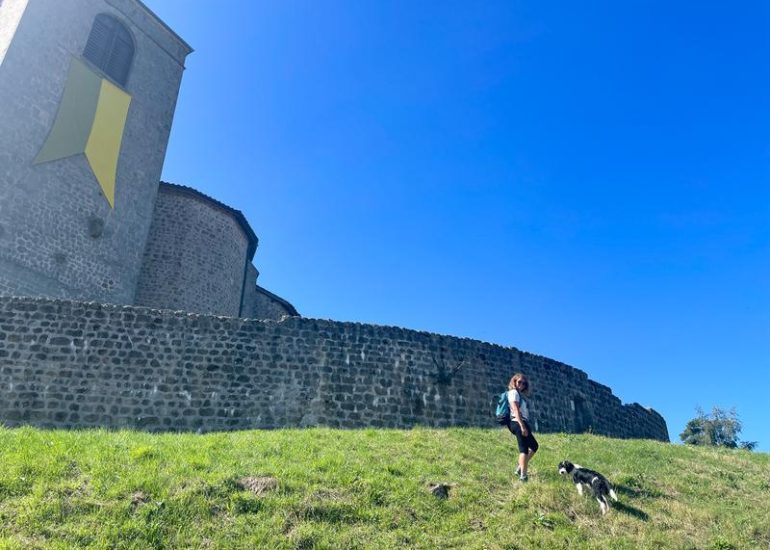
column 87, row 96
column 88, row 90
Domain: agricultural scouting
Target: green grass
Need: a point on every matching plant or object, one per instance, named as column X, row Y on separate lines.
column 369, row 489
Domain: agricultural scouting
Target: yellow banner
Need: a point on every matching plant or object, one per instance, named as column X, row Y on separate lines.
column 91, row 119
column 103, row 147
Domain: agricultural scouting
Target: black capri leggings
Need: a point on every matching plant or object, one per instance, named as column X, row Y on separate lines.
column 525, row 443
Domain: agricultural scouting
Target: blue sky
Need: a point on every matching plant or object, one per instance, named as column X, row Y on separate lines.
column 582, row 180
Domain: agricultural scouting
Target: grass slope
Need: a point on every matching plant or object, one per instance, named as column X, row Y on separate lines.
column 368, row 489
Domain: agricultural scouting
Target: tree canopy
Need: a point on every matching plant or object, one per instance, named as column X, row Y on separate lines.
column 720, row 428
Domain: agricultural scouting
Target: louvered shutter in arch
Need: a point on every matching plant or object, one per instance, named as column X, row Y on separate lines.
column 110, row 47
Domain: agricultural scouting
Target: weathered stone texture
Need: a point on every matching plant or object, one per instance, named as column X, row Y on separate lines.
column 65, row 364
column 59, row 237
column 58, row 229
column 196, row 256
column 249, row 302
column 266, row 305
column 259, row 303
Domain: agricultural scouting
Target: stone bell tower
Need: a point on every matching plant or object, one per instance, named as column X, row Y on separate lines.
column 88, row 90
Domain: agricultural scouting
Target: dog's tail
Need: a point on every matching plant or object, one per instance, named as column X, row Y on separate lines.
column 613, row 495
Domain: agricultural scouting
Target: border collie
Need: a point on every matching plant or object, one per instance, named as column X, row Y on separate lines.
column 593, row 480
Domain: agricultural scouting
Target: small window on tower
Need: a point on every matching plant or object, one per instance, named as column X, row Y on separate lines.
column 110, row 47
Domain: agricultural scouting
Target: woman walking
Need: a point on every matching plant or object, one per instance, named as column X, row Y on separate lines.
column 518, row 388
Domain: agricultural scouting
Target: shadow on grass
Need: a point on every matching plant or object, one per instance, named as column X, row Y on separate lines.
column 631, row 511
column 638, row 492
column 627, row 491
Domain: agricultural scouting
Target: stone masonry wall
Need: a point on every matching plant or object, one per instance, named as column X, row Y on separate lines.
column 195, row 257
column 75, row 364
column 259, row 303
column 58, row 234
column 268, row 306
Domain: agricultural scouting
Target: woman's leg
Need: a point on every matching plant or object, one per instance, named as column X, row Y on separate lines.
column 523, row 451
column 524, row 458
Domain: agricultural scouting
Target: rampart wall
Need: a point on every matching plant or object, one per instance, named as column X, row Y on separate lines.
column 75, row 364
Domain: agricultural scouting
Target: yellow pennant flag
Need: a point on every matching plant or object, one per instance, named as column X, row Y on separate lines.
column 91, row 119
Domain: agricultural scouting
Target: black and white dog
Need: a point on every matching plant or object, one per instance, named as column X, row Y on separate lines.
column 595, row 481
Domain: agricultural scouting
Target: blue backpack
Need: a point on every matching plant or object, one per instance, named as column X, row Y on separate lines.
column 503, row 409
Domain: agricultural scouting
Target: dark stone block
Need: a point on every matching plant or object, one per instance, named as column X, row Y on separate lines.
column 148, row 422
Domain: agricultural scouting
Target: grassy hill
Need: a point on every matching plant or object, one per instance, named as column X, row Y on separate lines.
column 323, row 488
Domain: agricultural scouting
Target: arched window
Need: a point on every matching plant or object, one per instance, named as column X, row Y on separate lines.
column 110, row 47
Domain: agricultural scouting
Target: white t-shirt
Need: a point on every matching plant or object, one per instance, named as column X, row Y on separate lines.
column 515, row 397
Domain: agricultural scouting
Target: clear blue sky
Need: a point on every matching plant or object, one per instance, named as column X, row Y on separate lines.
column 587, row 181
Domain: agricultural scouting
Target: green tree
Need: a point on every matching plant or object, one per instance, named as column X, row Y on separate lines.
column 718, row 429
